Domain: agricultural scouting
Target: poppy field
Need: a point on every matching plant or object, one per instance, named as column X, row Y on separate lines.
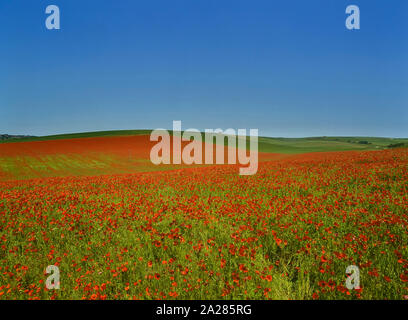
column 86, row 156
column 288, row 232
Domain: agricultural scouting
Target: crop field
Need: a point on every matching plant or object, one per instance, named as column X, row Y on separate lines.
column 84, row 155
column 117, row 231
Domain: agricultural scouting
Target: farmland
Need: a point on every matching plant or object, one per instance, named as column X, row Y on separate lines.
column 127, row 151
column 288, row 232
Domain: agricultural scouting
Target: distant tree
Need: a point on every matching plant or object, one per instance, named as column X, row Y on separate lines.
column 397, row 145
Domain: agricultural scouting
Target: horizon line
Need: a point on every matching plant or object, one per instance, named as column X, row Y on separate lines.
column 201, row 131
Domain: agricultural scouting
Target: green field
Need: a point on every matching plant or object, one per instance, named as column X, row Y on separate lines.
column 320, row 144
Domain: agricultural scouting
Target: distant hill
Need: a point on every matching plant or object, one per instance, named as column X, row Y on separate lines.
column 77, row 135
column 13, row 136
column 316, row 144
column 266, row 144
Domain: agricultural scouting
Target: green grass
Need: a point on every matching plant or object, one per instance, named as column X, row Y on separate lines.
column 63, row 165
column 324, row 144
column 318, row 144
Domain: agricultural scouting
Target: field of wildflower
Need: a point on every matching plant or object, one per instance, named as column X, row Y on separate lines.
column 288, row 232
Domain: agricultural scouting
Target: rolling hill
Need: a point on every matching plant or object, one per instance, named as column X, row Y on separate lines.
column 127, row 151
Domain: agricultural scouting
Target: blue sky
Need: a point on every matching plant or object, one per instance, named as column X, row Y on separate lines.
column 289, row 68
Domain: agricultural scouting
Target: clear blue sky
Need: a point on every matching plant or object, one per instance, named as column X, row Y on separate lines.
column 289, row 68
